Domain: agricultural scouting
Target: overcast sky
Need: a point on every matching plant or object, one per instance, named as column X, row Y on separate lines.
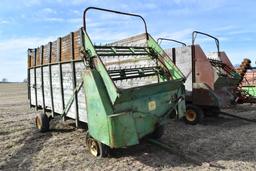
column 30, row 23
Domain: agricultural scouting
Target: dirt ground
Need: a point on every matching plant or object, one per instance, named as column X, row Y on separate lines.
column 217, row 144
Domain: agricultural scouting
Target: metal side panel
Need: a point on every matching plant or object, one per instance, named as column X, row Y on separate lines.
column 67, row 86
column 138, row 40
column 81, row 96
column 213, row 55
column 56, row 89
column 32, row 89
column 223, row 57
column 47, row 93
column 121, row 62
column 184, row 63
column 112, row 62
column 204, row 72
column 39, row 87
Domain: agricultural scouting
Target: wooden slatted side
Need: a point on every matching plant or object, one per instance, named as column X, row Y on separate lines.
column 65, row 49
column 47, row 80
column 38, row 62
column 45, row 54
column 77, row 44
column 31, row 58
column 54, row 52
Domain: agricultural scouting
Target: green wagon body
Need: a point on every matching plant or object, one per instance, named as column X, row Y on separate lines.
column 117, row 106
column 120, row 117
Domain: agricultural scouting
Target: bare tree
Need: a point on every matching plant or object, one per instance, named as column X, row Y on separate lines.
column 4, row 80
column 25, row 80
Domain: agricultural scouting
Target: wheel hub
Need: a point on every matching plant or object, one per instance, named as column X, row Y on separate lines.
column 38, row 123
column 93, row 147
column 190, row 115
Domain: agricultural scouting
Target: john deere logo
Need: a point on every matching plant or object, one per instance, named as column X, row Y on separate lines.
column 151, row 105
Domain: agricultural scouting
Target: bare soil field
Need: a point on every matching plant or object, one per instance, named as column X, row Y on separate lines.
column 220, row 143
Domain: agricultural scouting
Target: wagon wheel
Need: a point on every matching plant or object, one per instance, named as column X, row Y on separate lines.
column 193, row 115
column 42, row 122
column 96, row 148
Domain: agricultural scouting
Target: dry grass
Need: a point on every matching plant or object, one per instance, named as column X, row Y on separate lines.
column 223, row 142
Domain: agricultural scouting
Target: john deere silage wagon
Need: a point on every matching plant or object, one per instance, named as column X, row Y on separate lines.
column 123, row 90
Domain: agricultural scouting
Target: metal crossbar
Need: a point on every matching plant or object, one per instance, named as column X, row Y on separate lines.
column 121, row 50
column 70, row 101
column 130, row 73
column 220, row 64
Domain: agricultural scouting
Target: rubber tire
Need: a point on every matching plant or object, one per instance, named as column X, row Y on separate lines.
column 158, row 132
column 199, row 114
column 104, row 150
column 44, row 120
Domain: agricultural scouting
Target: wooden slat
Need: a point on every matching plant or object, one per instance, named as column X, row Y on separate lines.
column 32, row 57
column 45, row 54
column 65, row 49
column 77, row 44
column 54, row 52
column 38, row 56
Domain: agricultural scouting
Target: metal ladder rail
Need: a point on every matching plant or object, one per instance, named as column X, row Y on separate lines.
column 131, row 73
column 120, row 51
column 222, row 65
column 128, row 73
column 216, row 64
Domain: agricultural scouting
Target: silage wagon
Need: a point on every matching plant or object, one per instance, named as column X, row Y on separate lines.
column 123, row 91
column 212, row 83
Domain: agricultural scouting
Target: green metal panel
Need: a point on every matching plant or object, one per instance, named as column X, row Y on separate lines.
column 123, row 130
column 181, row 107
column 145, row 124
column 153, row 100
column 176, row 73
column 88, row 46
column 110, row 87
column 120, row 117
column 250, row 90
column 98, row 106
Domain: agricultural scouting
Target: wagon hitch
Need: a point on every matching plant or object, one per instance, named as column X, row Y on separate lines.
column 238, row 117
column 186, row 157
